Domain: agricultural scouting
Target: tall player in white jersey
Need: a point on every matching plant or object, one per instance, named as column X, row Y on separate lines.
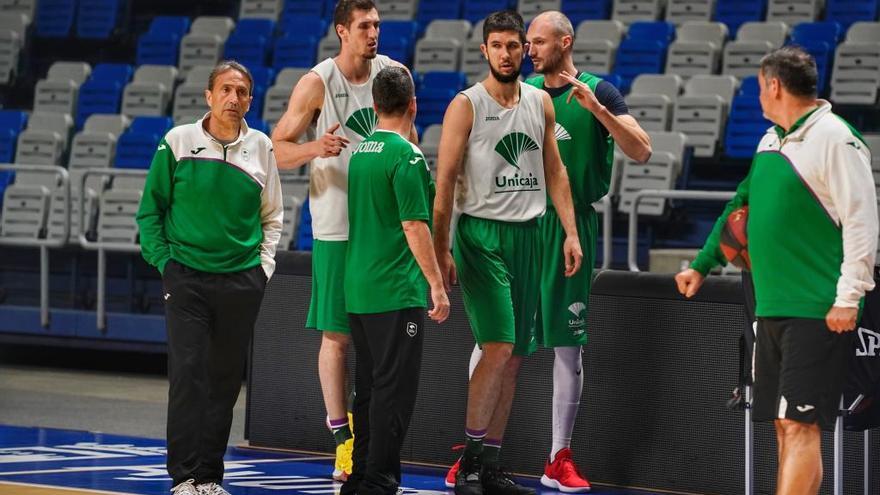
column 335, row 99
column 498, row 136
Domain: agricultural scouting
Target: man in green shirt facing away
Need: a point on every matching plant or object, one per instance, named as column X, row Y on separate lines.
column 390, row 264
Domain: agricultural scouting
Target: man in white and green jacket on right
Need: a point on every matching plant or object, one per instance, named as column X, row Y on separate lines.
column 812, row 238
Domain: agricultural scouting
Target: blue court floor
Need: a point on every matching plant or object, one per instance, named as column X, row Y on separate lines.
column 104, row 463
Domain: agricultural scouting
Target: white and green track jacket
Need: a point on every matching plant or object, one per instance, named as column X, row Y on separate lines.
column 213, row 207
column 812, row 227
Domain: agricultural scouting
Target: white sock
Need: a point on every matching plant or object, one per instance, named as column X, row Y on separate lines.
column 568, row 384
column 475, row 358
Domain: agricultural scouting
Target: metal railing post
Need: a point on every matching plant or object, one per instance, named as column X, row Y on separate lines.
column 749, row 444
column 867, row 461
column 632, row 238
column 838, row 450
column 607, row 216
column 100, row 246
column 44, row 244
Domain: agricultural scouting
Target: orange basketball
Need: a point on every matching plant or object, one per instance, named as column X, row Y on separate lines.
column 734, row 242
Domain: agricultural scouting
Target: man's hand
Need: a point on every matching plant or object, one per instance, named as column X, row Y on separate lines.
column 841, row 320
column 447, row 269
column 440, row 311
column 574, row 255
column 689, row 282
column 330, row 144
column 582, row 92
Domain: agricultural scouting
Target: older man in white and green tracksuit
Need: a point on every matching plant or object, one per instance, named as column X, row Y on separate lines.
column 812, row 238
column 210, row 220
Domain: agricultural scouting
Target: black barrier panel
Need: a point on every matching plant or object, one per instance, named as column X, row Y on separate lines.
column 658, row 371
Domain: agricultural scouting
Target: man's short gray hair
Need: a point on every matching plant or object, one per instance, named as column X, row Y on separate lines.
column 226, row 66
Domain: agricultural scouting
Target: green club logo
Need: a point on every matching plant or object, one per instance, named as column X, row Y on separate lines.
column 513, row 145
column 362, row 121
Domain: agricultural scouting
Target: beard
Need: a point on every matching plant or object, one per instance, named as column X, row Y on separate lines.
column 552, row 63
column 505, row 78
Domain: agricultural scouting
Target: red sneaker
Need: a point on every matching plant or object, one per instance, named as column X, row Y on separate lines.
column 563, row 475
column 453, row 471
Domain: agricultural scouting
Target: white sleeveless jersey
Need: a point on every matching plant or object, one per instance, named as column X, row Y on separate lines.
column 503, row 170
column 350, row 105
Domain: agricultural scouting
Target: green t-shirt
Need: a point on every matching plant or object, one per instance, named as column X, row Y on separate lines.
column 388, row 183
column 585, row 148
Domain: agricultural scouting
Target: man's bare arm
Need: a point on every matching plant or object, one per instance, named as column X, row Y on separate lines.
column 457, row 124
column 560, row 190
column 306, row 100
column 624, row 129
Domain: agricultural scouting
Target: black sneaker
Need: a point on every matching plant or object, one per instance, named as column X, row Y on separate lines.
column 497, row 481
column 467, row 480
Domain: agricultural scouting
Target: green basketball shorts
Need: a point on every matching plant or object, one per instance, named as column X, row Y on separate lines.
column 498, row 268
column 327, row 308
column 562, row 315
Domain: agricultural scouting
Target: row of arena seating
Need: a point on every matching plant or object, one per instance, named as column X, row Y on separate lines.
column 98, row 19
column 296, row 30
column 851, row 69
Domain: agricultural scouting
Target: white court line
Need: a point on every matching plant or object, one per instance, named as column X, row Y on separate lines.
column 72, row 490
column 88, row 469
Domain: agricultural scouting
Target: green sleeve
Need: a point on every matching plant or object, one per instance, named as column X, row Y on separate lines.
column 410, row 183
column 154, row 205
column 711, row 256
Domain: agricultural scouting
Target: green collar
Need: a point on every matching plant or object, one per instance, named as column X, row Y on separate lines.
column 782, row 132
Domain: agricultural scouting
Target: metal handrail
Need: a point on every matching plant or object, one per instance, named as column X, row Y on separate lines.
column 44, row 244
column 99, row 245
column 103, row 247
column 607, row 215
column 59, row 172
column 632, row 238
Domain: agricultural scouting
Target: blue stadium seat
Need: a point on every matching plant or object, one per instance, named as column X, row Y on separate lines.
column 304, row 8
column 161, row 43
column 820, row 39
column 527, row 67
column 846, row 12
column 138, row 144
column 250, row 42
column 736, row 12
column 614, row 79
column 54, row 18
column 586, row 10
column 12, row 123
column 397, row 40
column 298, row 45
column 257, row 123
column 102, row 92
column 436, row 90
column 831, row 32
column 745, row 123
column 263, row 78
column 303, row 238
column 477, row 10
column 643, row 51
column 98, row 19
column 430, row 10
column 823, row 52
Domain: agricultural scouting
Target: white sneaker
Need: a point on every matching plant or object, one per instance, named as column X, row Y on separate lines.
column 185, row 488
column 211, row 489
